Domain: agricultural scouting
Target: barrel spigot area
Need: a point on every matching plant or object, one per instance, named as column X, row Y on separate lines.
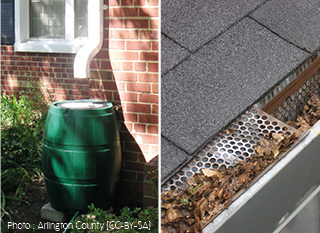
column 81, row 156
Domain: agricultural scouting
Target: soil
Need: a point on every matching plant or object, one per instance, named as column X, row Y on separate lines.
column 21, row 212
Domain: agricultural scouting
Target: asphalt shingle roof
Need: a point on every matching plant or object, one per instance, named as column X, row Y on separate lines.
column 213, row 69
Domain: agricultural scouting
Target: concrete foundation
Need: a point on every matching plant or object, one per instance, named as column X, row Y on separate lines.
column 48, row 213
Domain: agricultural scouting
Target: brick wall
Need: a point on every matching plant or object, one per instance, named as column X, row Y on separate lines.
column 125, row 71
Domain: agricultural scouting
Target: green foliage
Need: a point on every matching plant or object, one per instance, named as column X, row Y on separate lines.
column 135, row 220
column 152, row 177
column 22, row 124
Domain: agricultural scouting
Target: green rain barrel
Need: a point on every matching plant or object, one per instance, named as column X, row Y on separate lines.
column 81, row 155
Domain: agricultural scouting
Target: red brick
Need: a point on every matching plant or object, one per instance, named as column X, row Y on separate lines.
column 61, row 91
column 105, row 65
column 63, row 60
column 102, row 54
column 125, row 34
column 139, row 2
column 124, row 12
column 108, row 85
column 72, row 92
column 7, row 48
column 139, row 128
column 120, row 86
column 125, row 76
column 58, row 70
column 148, row 34
column 70, row 81
column 152, row 2
column 136, row 107
column 82, row 81
column 33, row 68
column 115, row 23
column 116, row 44
column 46, row 69
column 138, row 45
column 128, row 146
column 147, row 77
column 94, row 64
column 136, row 23
column 149, row 12
column 126, row 3
column 147, row 118
column 127, row 66
column 126, row 96
column 155, row 109
column 30, row 58
column 19, row 63
column 125, row 55
column 126, row 136
column 153, row 139
column 139, row 87
column 155, row 45
column 69, row 71
column 152, row 129
column 149, row 56
column 155, row 88
column 99, row 95
column 134, row 166
column 140, row 66
column 148, row 98
column 131, row 117
column 24, row 68
column 113, row 3
column 129, row 156
column 11, row 68
column 127, row 126
column 49, row 59
column 153, row 67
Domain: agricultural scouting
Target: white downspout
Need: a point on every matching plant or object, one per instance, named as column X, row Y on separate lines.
column 81, row 65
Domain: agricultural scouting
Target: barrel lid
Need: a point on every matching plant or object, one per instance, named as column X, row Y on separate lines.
column 81, row 105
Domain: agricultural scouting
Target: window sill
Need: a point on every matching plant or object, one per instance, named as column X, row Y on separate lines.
column 50, row 46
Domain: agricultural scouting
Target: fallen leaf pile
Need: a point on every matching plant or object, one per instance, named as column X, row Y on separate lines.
column 207, row 194
column 309, row 116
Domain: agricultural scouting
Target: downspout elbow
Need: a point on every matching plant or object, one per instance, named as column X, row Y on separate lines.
column 81, row 65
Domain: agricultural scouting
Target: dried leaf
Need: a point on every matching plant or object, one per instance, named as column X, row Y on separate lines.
column 278, row 137
column 211, row 173
column 183, row 228
column 295, row 135
column 260, row 150
column 173, row 215
column 169, row 229
column 170, row 195
column 192, row 181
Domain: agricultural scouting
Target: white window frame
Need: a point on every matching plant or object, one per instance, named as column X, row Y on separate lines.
column 23, row 42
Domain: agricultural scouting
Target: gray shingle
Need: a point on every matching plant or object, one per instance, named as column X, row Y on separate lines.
column 171, row 158
column 219, row 82
column 193, row 23
column 171, row 54
column 295, row 20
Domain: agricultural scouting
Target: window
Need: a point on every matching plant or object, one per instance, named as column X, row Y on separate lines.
column 51, row 25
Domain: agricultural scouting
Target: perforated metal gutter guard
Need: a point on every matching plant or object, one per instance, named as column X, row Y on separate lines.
column 260, row 208
column 284, row 183
column 280, row 190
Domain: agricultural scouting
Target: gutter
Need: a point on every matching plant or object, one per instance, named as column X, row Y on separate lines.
column 81, row 65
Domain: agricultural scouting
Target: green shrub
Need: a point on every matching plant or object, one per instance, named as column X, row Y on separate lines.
column 22, row 125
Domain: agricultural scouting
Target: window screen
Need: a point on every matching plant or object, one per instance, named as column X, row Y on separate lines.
column 47, row 19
